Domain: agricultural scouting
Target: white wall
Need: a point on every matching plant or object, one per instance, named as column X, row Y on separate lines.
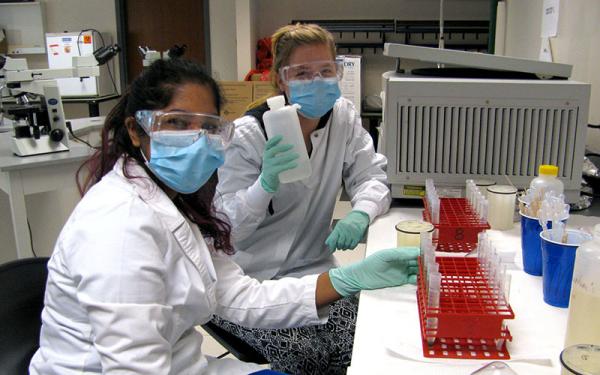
column 75, row 15
column 223, row 46
column 576, row 44
column 47, row 212
column 245, row 17
column 266, row 16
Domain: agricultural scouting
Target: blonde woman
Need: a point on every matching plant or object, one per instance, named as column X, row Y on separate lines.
column 283, row 230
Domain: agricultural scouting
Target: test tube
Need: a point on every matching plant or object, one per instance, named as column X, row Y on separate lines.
column 433, row 304
column 500, row 342
column 426, row 242
column 436, row 211
column 499, row 281
column 434, row 279
column 481, row 250
column 434, row 270
column 483, row 217
column 507, row 282
column 482, row 201
column 494, row 269
column 468, row 190
column 482, row 185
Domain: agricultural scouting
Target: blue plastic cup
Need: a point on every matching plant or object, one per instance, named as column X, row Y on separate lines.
column 530, row 244
column 558, row 261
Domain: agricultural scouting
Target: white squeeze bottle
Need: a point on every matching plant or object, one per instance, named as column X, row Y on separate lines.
column 283, row 120
column 547, row 180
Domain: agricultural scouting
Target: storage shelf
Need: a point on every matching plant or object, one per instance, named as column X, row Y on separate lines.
column 458, row 34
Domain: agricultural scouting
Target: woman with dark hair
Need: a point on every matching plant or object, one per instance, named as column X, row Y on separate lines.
column 143, row 258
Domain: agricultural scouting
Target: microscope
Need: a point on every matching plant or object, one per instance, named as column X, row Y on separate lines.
column 40, row 127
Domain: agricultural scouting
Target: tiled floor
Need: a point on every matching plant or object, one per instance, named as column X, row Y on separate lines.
column 213, row 348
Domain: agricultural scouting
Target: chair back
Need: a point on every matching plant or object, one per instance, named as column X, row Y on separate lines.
column 234, row 344
column 22, row 287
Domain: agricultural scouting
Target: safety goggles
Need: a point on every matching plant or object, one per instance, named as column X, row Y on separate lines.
column 182, row 129
column 309, row 71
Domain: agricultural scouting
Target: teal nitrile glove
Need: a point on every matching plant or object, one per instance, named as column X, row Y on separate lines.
column 276, row 159
column 385, row 268
column 348, row 231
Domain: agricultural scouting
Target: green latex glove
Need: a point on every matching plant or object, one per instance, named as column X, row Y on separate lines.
column 349, row 231
column 276, row 159
column 385, row 268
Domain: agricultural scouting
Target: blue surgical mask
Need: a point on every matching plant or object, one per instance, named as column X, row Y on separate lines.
column 316, row 96
column 185, row 169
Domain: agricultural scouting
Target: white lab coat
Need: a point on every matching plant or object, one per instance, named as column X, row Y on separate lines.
column 130, row 278
column 291, row 242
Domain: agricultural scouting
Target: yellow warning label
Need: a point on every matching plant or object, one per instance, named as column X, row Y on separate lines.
column 413, row 191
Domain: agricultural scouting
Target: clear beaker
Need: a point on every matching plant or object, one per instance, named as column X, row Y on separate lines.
column 409, row 232
column 582, row 359
column 482, row 185
column 501, row 209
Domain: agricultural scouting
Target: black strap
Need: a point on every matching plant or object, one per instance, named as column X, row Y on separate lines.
column 258, row 112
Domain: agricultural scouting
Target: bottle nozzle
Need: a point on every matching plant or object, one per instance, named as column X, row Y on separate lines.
column 276, row 102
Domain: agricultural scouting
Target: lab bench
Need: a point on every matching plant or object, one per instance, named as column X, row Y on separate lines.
column 388, row 338
column 22, row 176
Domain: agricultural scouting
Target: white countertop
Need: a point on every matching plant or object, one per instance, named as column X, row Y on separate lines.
column 9, row 161
column 388, row 335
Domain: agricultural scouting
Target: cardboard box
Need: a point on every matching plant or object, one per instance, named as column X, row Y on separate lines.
column 239, row 94
column 261, row 89
column 351, row 83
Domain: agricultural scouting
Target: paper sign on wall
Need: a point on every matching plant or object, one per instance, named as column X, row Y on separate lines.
column 550, row 18
column 546, row 51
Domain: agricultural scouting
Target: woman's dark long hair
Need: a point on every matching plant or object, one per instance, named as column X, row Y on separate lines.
column 154, row 89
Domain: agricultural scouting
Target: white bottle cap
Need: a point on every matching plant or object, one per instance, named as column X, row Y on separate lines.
column 276, row 102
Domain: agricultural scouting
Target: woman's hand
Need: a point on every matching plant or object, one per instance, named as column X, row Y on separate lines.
column 385, row 268
column 276, row 159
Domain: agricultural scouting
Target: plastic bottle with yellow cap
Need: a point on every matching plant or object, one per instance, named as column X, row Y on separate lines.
column 547, row 180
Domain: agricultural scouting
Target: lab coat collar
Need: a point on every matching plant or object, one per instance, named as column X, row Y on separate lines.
column 150, row 193
column 168, row 213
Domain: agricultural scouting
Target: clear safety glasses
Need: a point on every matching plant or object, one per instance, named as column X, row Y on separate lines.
column 308, row 71
column 182, row 129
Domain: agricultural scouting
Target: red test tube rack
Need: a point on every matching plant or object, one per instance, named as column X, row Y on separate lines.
column 469, row 318
column 458, row 226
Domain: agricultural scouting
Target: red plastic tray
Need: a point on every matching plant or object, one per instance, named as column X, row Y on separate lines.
column 469, row 310
column 458, row 226
column 467, row 348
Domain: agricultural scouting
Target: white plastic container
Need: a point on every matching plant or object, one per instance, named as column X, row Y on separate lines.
column 283, row 120
column 501, row 207
column 483, row 185
column 408, row 232
column 547, row 180
column 583, row 325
